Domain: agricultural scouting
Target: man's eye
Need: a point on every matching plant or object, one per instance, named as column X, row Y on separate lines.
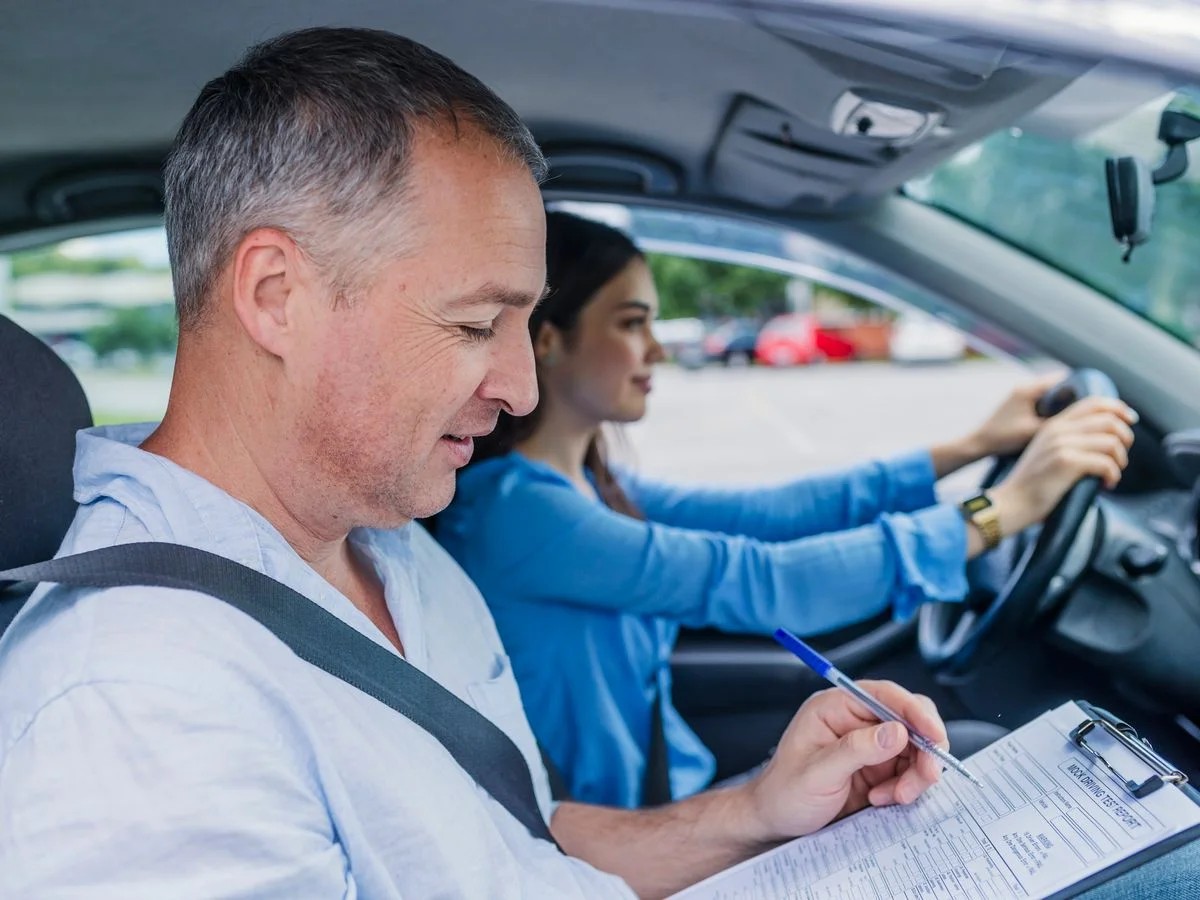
column 478, row 334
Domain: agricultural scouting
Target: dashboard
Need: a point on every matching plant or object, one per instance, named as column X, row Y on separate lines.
column 1134, row 607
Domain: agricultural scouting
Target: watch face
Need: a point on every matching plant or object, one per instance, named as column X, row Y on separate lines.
column 976, row 504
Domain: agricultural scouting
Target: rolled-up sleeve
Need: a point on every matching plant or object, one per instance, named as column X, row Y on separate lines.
column 569, row 549
column 930, row 552
column 816, row 504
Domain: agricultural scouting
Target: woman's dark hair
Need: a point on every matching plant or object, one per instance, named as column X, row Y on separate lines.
column 581, row 257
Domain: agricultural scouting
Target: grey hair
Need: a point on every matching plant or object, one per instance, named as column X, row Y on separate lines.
column 310, row 133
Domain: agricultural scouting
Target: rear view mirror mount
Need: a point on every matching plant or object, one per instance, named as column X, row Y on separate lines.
column 1131, row 181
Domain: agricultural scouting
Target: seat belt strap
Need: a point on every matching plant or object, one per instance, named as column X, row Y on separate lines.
column 320, row 638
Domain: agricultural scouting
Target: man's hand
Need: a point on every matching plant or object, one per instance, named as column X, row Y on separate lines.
column 836, row 758
column 830, row 763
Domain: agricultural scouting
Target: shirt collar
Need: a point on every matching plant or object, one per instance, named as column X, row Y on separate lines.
column 177, row 505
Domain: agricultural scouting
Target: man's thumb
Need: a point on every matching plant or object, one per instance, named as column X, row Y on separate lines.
column 863, row 747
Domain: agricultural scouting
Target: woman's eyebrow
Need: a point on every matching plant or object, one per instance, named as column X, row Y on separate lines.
column 634, row 304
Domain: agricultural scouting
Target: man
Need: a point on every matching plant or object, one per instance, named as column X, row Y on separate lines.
column 356, row 234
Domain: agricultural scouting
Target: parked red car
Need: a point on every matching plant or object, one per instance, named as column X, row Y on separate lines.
column 795, row 339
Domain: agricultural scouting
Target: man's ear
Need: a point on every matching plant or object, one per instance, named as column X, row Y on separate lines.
column 270, row 275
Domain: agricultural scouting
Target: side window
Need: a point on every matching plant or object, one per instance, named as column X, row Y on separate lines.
column 104, row 304
column 784, row 361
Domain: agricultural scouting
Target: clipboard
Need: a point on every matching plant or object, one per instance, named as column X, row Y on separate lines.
column 1164, row 776
column 1073, row 784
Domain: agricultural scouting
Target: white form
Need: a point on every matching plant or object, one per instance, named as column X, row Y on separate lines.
column 1047, row 817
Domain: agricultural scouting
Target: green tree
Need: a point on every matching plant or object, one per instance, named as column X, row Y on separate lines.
column 147, row 330
column 51, row 259
column 1050, row 197
column 696, row 287
column 825, row 296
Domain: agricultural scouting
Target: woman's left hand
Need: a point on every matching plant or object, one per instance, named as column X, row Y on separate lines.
column 1015, row 421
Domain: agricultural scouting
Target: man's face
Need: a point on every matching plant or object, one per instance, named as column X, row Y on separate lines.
column 394, row 385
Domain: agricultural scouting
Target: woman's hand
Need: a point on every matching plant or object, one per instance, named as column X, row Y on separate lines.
column 1015, row 421
column 1090, row 437
column 1005, row 433
column 1011, row 428
column 836, row 758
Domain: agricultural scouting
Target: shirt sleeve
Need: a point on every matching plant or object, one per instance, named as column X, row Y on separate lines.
column 119, row 790
column 817, row 504
column 568, row 548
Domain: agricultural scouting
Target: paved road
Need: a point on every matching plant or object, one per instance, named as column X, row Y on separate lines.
column 759, row 425
column 117, row 396
column 744, row 426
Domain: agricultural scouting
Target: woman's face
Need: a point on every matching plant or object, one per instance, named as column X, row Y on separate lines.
column 602, row 370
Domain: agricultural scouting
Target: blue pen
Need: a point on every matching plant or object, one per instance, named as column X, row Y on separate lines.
column 837, row 678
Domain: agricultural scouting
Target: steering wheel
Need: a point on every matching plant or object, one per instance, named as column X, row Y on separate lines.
column 952, row 637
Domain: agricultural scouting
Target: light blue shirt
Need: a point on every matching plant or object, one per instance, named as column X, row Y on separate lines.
column 589, row 602
column 159, row 744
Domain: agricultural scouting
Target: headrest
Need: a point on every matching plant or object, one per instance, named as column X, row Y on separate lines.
column 41, row 407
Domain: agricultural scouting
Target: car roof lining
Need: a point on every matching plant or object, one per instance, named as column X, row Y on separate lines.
column 103, row 94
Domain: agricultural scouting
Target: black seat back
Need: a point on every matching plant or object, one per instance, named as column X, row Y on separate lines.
column 42, row 405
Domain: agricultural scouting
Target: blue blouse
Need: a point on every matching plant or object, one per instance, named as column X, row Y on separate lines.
column 589, row 602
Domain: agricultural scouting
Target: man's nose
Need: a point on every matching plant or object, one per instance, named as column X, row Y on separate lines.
column 513, row 378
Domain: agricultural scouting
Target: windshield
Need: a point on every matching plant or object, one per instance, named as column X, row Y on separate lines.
column 1048, row 196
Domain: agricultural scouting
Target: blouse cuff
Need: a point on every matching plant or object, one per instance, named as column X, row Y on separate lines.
column 913, row 480
column 931, row 557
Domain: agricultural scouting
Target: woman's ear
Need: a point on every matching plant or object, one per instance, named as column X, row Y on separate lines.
column 547, row 346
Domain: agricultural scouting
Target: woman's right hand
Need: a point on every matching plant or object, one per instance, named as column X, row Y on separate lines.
column 1090, row 437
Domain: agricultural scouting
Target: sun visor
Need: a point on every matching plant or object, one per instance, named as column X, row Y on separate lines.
column 879, row 105
column 929, row 55
column 768, row 156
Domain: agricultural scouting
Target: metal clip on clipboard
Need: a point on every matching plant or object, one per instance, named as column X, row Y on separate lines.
column 1164, row 771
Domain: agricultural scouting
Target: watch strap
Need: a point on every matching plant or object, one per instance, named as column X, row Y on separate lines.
column 982, row 513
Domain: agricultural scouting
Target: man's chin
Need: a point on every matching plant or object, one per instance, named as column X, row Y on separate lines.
column 397, row 513
column 431, row 503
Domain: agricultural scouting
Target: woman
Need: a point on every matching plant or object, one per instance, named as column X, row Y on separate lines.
column 589, row 572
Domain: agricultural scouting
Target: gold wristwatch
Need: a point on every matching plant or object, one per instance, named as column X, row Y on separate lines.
column 981, row 513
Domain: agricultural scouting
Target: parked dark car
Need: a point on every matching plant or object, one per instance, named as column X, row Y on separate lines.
column 732, row 343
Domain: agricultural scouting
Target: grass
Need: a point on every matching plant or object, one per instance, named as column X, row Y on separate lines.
column 107, row 417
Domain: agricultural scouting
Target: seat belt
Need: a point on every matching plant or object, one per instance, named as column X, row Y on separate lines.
column 320, row 638
column 656, row 780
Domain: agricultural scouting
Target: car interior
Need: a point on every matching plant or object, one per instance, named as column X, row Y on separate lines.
column 810, row 117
